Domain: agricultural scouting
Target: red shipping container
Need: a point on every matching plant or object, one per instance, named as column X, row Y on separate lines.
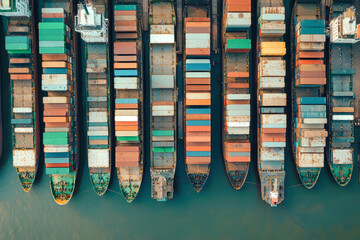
column 238, row 85
column 125, row 12
column 197, row 51
column 124, row 48
column 58, row 165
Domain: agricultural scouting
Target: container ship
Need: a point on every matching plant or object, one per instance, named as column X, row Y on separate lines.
column 21, row 44
column 340, row 93
column 92, row 23
column 128, row 85
column 237, row 71
column 197, row 86
column 308, row 90
column 163, row 98
column 271, row 99
column 58, row 47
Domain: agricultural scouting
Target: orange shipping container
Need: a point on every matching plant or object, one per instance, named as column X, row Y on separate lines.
column 125, row 58
column 311, row 81
column 57, row 124
column 200, row 102
column 198, row 81
column 126, row 164
column 238, row 85
column 126, row 159
column 135, row 123
column 197, row 19
column 238, row 74
column 126, row 128
column 54, row 57
column 237, row 159
column 56, row 119
column 197, row 24
column 19, row 60
column 160, row 103
column 20, row 76
column 197, row 29
column 273, row 130
column 126, row 23
column 198, row 139
column 198, row 134
column 198, row 160
column 198, row 148
column 125, row 28
column 312, row 74
column 125, row 13
column 198, row 88
column 56, row 112
column 19, row 70
column 126, row 106
column 120, row 154
column 127, row 148
column 125, row 65
column 198, row 116
column 311, row 54
column 197, row 51
column 198, row 128
column 126, row 35
column 124, row 48
column 56, row 64
column 56, row 106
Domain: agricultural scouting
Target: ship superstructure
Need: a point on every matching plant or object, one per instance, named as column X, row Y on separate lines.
column 237, row 72
column 58, row 47
column 271, row 99
column 341, row 96
column 308, row 90
column 197, row 86
column 163, row 99
column 91, row 23
column 21, row 44
column 128, row 85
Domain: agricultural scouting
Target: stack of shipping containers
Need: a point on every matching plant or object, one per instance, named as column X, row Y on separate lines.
column 128, row 99
column 271, row 100
column 310, row 104
column 236, row 89
column 58, row 83
column 163, row 98
column 197, row 73
column 24, row 100
column 90, row 22
column 343, row 34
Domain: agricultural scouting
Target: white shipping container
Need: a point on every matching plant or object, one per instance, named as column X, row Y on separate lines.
column 125, row 86
column 58, row 148
column 272, row 68
column 238, row 96
column 98, row 133
column 311, row 149
column 311, row 38
column 343, row 117
column 55, row 77
column 313, row 142
column 314, row 120
column 162, row 138
column 159, row 113
column 55, row 100
column 310, row 126
column 238, row 107
column 163, row 108
column 311, row 46
column 22, row 110
column 273, row 119
column 273, row 10
column 272, row 154
column 24, row 158
column 126, row 133
column 126, row 112
column 232, row 22
column 342, row 156
column 272, row 82
column 273, row 99
column 24, row 130
column 272, row 16
column 98, row 128
column 197, row 74
column 58, row 129
column 198, row 95
column 238, row 130
column 133, row 80
column 54, row 82
column 238, row 124
column 237, row 119
column 98, row 116
column 310, row 160
column 98, row 158
column 238, row 112
column 162, row 38
column 162, row 29
column 126, row 118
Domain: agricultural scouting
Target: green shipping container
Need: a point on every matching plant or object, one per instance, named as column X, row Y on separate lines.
column 163, row 149
column 163, row 133
column 53, row 50
column 55, row 141
column 128, row 139
column 125, row 7
column 51, row 26
column 58, row 171
column 17, row 39
column 17, row 46
column 55, row 134
column 238, row 44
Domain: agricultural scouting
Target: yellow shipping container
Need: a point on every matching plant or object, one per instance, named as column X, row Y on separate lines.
column 272, row 48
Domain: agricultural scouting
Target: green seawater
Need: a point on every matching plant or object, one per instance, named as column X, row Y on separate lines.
column 218, row 212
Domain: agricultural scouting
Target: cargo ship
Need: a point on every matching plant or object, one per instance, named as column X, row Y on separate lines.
column 163, row 98
column 128, row 85
column 58, row 47
column 92, row 23
column 340, row 93
column 271, row 99
column 237, row 72
column 21, row 44
column 308, row 90
column 197, row 86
